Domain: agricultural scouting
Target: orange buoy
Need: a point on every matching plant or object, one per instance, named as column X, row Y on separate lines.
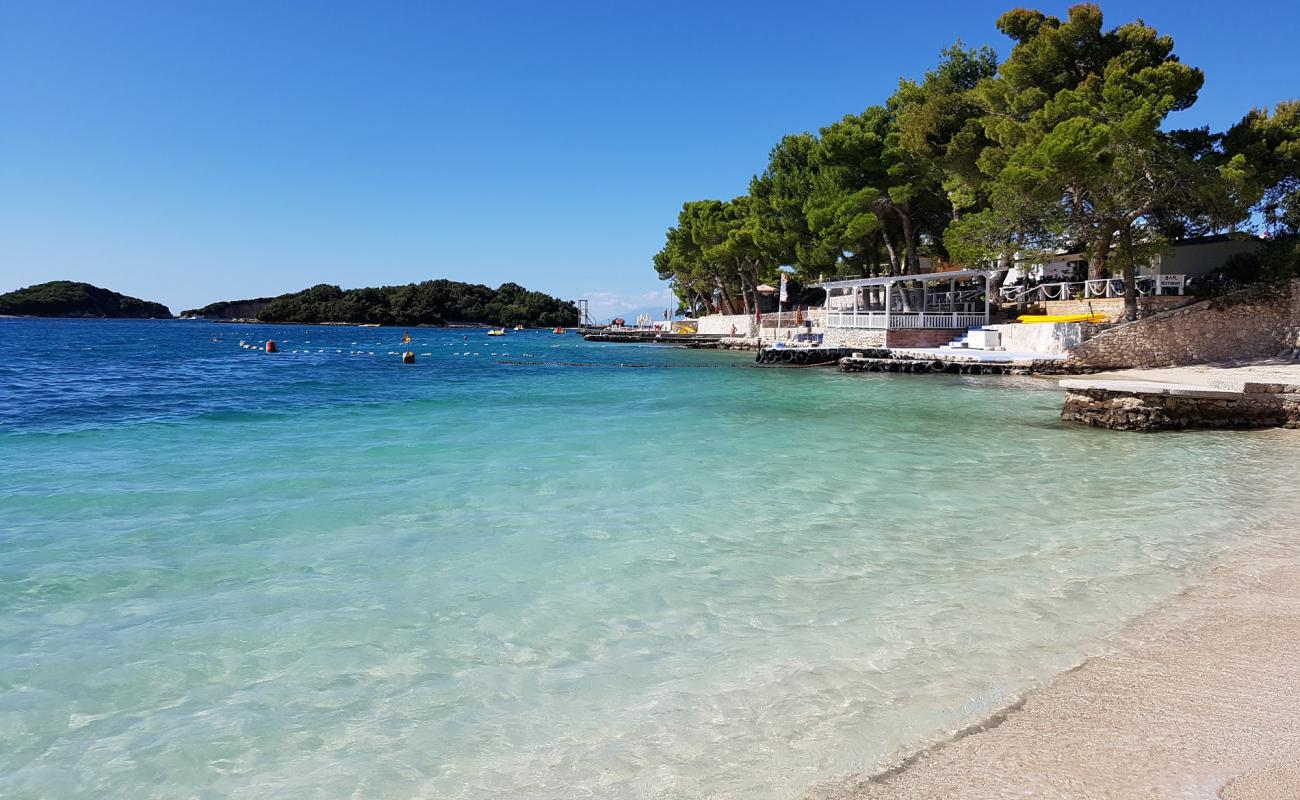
column 270, row 346
column 408, row 357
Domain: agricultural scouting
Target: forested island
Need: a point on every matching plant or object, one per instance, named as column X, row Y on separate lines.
column 437, row 302
column 76, row 299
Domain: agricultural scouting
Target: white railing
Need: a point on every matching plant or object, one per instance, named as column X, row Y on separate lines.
column 1145, row 286
column 901, row 319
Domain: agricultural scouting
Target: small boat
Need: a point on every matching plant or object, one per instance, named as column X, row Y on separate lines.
column 558, row 330
column 496, row 332
column 519, row 327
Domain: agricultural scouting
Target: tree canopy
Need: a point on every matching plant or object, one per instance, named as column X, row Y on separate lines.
column 1063, row 146
column 76, row 299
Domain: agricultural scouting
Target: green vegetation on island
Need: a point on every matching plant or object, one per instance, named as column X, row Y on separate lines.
column 1062, row 147
column 76, row 299
column 230, row 309
column 438, row 302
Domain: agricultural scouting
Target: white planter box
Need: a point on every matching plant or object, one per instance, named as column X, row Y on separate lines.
column 984, row 340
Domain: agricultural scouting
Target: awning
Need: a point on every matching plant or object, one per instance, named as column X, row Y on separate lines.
column 958, row 275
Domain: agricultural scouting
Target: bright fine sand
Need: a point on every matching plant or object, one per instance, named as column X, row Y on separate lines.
column 1198, row 699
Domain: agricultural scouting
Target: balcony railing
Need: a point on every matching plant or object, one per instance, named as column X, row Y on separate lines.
column 901, row 319
column 1146, row 286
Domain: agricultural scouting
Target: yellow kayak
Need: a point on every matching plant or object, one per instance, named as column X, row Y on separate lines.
column 1062, row 318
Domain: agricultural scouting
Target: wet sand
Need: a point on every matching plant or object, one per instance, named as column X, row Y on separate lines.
column 1198, row 699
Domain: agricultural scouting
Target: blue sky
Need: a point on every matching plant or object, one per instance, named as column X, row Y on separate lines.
column 197, row 151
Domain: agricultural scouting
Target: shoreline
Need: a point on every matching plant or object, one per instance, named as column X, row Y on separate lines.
column 1193, row 699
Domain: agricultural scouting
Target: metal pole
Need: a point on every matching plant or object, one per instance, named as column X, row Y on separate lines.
column 986, row 298
column 952, row 299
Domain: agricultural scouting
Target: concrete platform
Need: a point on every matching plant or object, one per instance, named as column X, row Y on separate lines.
column 1149, row 387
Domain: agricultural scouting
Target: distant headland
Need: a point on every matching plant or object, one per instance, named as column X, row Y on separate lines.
column 76, row 299
column 438, row 302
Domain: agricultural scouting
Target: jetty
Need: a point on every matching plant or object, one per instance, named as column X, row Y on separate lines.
column 649, row 336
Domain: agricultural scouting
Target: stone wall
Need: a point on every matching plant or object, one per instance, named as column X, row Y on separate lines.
column 1260, row 322
column 1113, row 307
column 854, row 337
column 721, row 324
column 1133, row 411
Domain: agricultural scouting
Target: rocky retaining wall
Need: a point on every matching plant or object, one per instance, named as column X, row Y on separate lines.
column 1135, row 411
column 1260, row 322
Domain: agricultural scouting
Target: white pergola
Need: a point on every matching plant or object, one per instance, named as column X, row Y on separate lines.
column 859, row 303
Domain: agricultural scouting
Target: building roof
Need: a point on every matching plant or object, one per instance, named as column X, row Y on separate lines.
column 925, row 276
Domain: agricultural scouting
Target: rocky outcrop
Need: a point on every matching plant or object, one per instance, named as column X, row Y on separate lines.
column 230, row 310
column 1142, row 411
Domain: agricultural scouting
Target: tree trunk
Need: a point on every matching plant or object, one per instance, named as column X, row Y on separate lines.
column 728, row 307
column 740, row 273
column 892, row 252
column 1130, row 276
column 1100, row 253
column 998, row 278
column 913, row 265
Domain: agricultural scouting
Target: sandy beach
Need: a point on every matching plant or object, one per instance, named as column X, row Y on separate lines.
column 1197, row 699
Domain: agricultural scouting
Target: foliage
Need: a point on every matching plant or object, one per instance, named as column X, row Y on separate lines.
column 1061, row 147
column 436, row 302
column 75, row 299
column 1274, row 261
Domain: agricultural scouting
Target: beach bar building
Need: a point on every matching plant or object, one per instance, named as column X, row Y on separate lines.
column 926, row 310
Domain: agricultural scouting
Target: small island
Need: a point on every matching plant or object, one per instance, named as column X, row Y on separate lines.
column 436, row 302
column 77, row 299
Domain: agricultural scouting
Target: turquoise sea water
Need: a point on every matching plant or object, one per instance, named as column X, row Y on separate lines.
column 323, row 574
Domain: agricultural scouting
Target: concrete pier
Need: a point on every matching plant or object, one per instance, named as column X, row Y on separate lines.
column 1249, row 396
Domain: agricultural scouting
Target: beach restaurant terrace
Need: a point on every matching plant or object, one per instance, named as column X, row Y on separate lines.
column 953, row 300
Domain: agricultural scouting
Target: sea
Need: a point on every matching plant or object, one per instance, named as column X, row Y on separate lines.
column 531, row 566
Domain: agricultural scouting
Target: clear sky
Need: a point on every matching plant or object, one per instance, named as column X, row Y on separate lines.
column 197, row 151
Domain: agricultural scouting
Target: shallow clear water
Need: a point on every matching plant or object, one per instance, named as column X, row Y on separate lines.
column 322, row 574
